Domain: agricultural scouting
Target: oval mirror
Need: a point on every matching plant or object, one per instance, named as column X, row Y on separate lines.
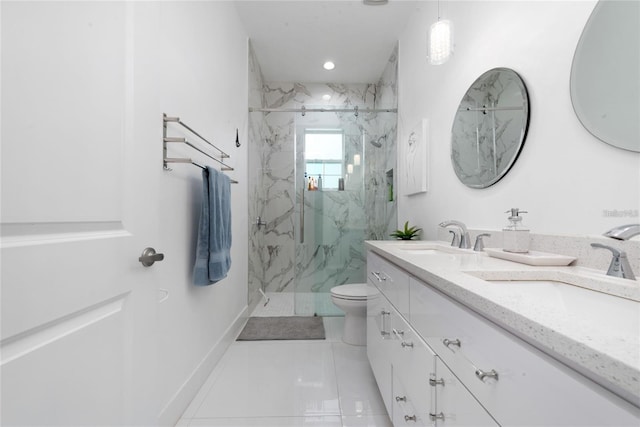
column 605, row 87
column 489, row 128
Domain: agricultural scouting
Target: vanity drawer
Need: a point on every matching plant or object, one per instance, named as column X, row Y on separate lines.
column 392, row 281
column 413, row 363
column 515, row 382
column 405, row 408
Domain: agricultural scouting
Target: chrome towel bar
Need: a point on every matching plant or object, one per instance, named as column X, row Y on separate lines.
column 182, row 140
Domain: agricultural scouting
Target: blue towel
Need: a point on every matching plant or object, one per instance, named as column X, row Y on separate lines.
column 213, row 257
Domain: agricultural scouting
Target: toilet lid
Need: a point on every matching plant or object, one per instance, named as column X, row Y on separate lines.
column 355, row 291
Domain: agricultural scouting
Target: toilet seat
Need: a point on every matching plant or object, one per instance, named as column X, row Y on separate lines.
column 351, row 292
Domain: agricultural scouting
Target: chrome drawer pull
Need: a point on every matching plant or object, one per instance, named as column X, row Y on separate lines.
column 447, row 342
column 401, row 398
column 434, row 417
column 483, row 374
column 406, row 344
column 376, row 274
column 410, row 418
column 434, row 382
column 385, row 313
column 397, row 333
column 384, row 333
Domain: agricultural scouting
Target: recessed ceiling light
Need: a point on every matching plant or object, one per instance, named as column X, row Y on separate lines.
column 329, row 65
column 326, row 97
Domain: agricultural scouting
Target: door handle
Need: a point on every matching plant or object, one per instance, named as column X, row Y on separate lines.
column 149, row 257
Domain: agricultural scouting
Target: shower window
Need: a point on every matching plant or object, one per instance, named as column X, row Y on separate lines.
column 324, row 154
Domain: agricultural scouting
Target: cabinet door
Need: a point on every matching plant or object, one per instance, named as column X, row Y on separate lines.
column 455, row 405
column 413, row 363
column 406, row 410
column 517, row 383
column 378, row 342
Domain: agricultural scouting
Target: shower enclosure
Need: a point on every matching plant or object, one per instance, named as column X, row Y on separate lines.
column 305, row 240
column 323, row 185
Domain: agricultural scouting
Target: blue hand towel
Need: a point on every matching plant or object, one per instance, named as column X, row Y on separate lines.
column 213, row 257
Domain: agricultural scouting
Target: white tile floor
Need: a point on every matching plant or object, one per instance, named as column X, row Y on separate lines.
column 321, row 383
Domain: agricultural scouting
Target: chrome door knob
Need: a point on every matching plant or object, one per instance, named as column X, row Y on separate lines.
column 149, row 257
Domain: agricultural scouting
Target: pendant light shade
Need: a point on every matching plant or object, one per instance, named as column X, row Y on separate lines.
column 440, row 42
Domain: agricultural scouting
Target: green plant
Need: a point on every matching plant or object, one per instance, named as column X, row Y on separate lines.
column 407, row 234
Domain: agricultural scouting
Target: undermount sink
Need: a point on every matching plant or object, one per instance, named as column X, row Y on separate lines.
column 595, row 302
column 590, row 282
column 431, row 248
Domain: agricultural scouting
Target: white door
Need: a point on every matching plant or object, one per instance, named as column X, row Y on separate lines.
column 77, row 309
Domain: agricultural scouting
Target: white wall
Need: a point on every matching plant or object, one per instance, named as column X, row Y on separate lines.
column 564, row 176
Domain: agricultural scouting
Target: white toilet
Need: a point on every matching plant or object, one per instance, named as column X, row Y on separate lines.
column 352, row 299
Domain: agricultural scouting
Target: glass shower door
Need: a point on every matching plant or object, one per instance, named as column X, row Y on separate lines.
column 330, row 213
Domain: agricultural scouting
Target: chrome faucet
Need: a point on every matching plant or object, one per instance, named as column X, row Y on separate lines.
column 455, row 241
column 479, row 245
column 619, row 266
column 465, row 240
column 623, row 232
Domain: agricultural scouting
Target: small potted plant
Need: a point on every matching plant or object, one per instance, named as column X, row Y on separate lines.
column 408, row 233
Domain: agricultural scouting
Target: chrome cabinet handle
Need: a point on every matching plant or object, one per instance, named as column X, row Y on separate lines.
column 484, row 374
column 410, row 418
column 383, row 313
column 397, row 332
column 376, row 274
column 406, row 344
column 434, row 382
column 149, row 257
column 435, row 417
column 447, row 342
column 401, row 398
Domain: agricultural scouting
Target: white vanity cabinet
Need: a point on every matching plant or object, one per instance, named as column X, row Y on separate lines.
column 440, row 363
column 416, row 387
column 515, row 382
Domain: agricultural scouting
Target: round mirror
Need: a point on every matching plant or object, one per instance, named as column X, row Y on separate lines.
column 489, row 128
column 605, row 87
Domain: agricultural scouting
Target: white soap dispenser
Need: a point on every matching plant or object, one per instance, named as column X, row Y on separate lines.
column 515, row 236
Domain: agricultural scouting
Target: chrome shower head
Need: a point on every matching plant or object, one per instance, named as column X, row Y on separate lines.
column 376, row 142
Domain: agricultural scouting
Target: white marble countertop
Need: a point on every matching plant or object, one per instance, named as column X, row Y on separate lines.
column 591, row 331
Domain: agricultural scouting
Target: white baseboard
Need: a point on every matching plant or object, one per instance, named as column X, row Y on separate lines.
column 172, row 412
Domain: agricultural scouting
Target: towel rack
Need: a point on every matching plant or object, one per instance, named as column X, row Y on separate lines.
column 170, row 139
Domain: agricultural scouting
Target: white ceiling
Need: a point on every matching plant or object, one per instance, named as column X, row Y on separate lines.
column 292, row 39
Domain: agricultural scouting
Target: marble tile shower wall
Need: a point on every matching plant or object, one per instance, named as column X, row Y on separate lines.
column 350, row 215
column 257, row 132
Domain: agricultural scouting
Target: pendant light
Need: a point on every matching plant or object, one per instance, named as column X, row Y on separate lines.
column 440, row 40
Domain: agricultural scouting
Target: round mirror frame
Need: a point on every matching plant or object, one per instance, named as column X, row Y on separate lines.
column 489, row 128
